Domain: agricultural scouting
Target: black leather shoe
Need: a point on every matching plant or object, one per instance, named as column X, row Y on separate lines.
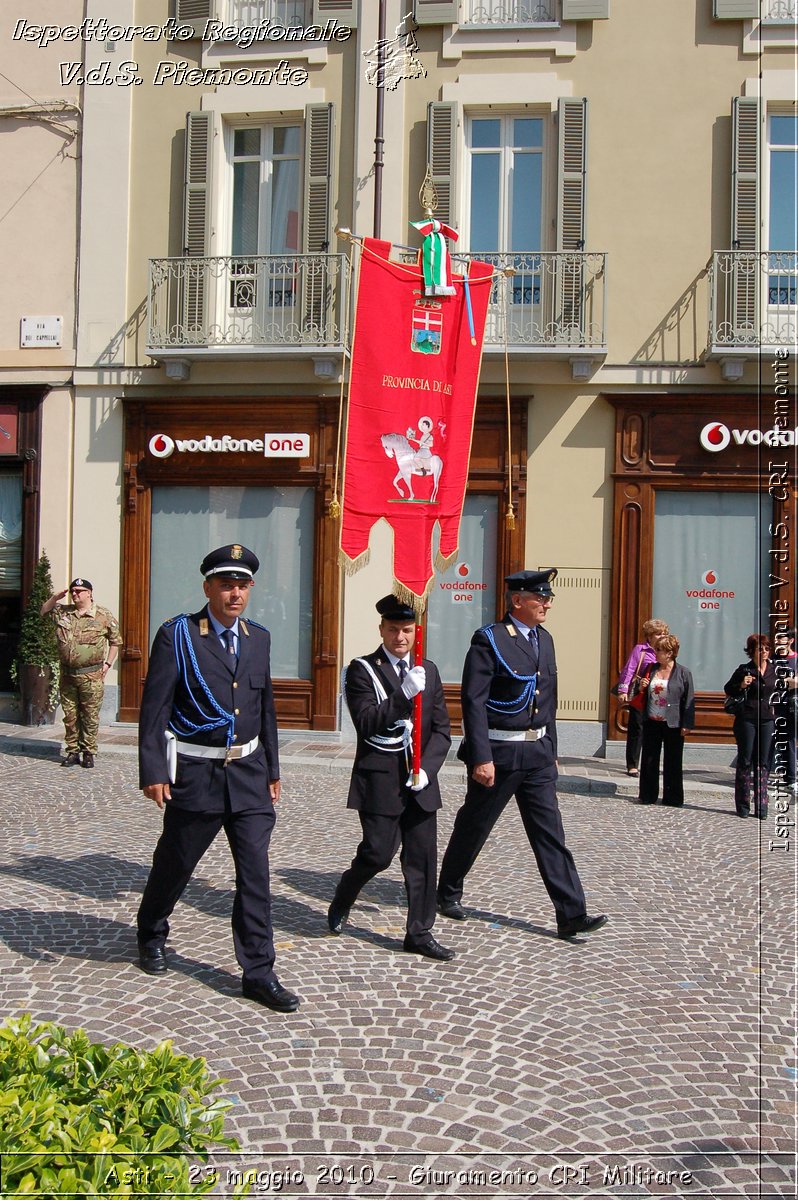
column 336, row 915
column 430, row 949
column 152, row 959
column 272, row 994
column 583, row 924
column 453, row 910
column 72, row 759
column 88, row 759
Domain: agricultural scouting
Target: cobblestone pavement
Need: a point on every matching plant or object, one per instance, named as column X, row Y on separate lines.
column 653, row 1058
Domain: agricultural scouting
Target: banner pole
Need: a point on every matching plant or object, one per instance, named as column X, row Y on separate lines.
column 418, row 652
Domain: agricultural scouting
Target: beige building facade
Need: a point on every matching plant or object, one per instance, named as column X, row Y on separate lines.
column 629, row 166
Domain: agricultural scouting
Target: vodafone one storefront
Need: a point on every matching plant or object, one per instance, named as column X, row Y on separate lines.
column 704, row 533
column 202, row 473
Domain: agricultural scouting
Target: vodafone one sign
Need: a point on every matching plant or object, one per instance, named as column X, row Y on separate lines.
column 271, row 445
column 716, row 437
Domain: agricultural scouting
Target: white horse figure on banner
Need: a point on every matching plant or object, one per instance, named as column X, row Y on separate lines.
column 408, row 464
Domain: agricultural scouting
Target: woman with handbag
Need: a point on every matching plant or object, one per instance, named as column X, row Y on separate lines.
column 628, row 687
column 749, row 690
column 668, row 710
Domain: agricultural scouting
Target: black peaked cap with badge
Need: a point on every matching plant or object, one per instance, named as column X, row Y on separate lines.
column 234, row 562
column 81, row 583
column 392, row 609
column 532, row 581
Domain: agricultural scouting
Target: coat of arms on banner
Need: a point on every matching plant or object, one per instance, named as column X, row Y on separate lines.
column 419, row 461
column 427, row 334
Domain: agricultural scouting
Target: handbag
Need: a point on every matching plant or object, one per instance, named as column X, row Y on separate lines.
column 634, row 683
column 735, row 704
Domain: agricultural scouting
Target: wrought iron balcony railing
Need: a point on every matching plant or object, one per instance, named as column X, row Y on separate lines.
column 548, row 300
column 248, row 14
column 753, row 299
column 499, row 13
column 256, row 302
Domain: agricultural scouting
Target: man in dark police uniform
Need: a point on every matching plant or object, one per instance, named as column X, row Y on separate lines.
column 380, row 691
column 208, row 752
column 509, row 697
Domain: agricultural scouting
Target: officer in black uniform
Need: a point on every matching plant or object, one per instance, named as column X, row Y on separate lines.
column 208, row 752
column 393, row 807
column 509, row 697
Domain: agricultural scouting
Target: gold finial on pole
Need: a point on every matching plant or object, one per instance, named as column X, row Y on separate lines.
column 427, row 195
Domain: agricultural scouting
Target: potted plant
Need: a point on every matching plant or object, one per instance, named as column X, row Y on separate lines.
column 36, row 670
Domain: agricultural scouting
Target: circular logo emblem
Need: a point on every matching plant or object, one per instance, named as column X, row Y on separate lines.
column 161, row 445
column 709, row 578
column 463, row 570
column 714, row 437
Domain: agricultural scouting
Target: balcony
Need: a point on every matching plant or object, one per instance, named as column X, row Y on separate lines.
column 753, row 304
column 263, row 305
column 503, row 14
column 248, row 14
column 548, row 304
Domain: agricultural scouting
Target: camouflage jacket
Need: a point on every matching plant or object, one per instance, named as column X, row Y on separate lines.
column 84, row 638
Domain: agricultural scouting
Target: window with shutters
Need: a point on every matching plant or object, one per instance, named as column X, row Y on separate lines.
column 505, row 202
column 265, row 214
column 782, row 209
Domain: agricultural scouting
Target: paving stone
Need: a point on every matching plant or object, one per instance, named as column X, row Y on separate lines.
column 664, row 1034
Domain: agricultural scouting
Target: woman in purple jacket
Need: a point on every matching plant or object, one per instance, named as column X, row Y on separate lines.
column 641, row 657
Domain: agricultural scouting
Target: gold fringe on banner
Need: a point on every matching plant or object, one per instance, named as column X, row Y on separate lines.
column 417, row 603
column 444, row 561
column 351, row 566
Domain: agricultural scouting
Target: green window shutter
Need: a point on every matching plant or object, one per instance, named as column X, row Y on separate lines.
column 571, row 173
column 735, row 10
column 436, row 12
column 585, row 10
column 442, row 157
column 745, row 173
column 195, row 13
column 317, row 223
column 196, row 221
column 343, row 11
column 196, row 201
column 318, row 289
column 744, row 293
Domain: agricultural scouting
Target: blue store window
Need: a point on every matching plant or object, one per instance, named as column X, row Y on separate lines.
column 711, row 564
column 276, row 523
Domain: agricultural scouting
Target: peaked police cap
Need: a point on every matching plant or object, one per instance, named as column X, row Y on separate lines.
column 532, row 581
column 234, row 562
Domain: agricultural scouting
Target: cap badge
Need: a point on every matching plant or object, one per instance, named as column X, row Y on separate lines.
column 236, row 552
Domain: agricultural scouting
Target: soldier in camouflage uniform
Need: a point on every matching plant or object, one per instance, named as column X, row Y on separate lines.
column 88, row 643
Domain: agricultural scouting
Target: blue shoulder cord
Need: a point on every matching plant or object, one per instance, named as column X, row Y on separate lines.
column 183, row 647
column 525, row 699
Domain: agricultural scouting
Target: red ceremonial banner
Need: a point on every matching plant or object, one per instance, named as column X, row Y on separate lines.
column 412, row 393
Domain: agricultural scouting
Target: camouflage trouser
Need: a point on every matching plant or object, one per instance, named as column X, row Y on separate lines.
column 81, row 699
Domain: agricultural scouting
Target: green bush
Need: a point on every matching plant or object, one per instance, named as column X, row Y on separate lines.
column 38, row 644
column 81, row 1118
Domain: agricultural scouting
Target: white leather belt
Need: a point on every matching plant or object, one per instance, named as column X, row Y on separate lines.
column 217, row 752
column 517, row 735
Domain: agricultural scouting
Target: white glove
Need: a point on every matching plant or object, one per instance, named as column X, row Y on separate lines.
column 423, row 781
column 415, row 682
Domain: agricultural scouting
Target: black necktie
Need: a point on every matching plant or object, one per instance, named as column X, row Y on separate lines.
column 402, row 668
column 229, row 642
column 533, row 641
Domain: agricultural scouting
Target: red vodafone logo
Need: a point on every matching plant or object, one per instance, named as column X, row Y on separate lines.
column 709, row 578
column 463, row 570
column 161, row 445
column 714, row 437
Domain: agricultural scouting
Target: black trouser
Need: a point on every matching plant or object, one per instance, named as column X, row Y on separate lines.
column 634, row 736
column 185, row 838
column 416, row 829
column 660, row 740
column 536, row 796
